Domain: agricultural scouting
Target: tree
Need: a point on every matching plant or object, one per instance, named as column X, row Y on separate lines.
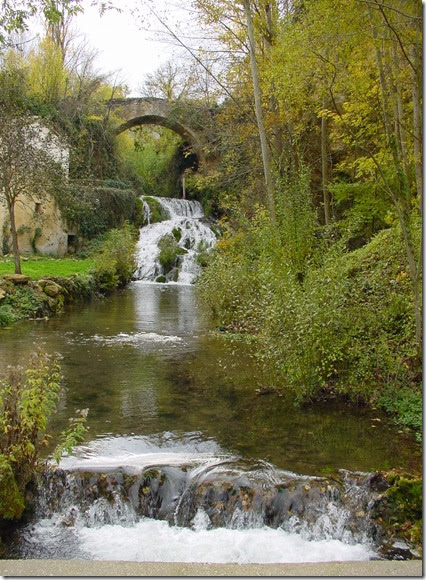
column 15, row 15
column 168, row 82
column 29, row 164
column 270, row 190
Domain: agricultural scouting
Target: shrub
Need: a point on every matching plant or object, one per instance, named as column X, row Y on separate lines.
column 7, row 317
column 96, row 208
column 328, row 320
column 24, row 302
column 27, row 400
column 169, row 252
column 115, row 263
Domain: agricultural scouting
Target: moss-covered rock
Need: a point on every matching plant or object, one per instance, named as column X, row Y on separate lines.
column 50, row 288
column 169, row 252
column 400, row 508
column 11, row 499
column 45, row 297
column 157, row 212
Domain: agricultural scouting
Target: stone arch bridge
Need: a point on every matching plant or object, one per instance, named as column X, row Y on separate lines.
column 172, row 115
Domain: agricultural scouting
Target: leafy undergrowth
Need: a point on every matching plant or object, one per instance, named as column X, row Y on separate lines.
column 342, row 326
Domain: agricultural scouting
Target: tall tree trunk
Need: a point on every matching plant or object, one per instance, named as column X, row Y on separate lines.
column 325, row 166
column 270, row 190
column 278, row 138
column 399, row 115
column 416, row 85
column 15, row 248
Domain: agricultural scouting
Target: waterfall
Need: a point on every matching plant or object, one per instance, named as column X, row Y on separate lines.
column 181, row 503
column 185, row 236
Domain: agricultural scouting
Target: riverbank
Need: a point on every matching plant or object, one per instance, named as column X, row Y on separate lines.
column 23, row 298
column 76, row 568
column 47, row 285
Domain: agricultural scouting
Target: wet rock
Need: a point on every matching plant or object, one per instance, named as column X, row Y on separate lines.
column 348, row 507
column 157, row 492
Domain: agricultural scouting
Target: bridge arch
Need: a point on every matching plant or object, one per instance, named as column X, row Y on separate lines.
column 153, row 111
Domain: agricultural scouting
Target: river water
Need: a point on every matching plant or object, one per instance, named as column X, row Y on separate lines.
column 165, row 393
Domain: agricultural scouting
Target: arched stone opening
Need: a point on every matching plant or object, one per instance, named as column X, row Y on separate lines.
column 190, row 139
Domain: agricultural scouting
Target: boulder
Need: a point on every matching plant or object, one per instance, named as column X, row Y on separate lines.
column 17, row 278
column 50, row 288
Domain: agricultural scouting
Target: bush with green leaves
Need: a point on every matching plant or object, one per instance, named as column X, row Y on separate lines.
column 96, row 207
column 7, row 316
column 230, row 286
column 23, row 302
column 327, row 320
column 115, row 263
column 363, row 210
column 27, row 400
column 169, row 252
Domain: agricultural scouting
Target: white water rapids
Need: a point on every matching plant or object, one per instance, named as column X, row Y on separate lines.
column 76, row 520
column 193, row 235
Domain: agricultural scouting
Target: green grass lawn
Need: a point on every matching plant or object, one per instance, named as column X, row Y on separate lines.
column 37, row 267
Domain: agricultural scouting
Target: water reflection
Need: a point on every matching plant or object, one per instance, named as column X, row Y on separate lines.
column 144, row 364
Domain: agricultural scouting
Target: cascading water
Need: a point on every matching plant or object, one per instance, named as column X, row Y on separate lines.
column 135, row 499
column 187, row 231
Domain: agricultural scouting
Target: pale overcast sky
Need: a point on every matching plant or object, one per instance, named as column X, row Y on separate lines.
column 123, row 46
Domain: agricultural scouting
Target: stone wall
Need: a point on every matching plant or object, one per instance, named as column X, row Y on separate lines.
column 39, row 223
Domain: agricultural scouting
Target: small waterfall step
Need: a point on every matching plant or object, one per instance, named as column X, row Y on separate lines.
column 212, row 493
column 169, row 251
column 172, row 500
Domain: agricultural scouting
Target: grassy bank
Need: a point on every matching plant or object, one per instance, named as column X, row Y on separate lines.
column 37, row 267
column 55, row 282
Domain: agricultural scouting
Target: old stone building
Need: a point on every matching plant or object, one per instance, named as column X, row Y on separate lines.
column 39, row 223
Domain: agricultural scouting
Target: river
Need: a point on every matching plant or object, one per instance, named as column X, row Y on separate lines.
column 175, row 422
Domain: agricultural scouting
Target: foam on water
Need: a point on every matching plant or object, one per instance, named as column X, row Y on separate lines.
column 137, row 463
column 137, row 337
column 155, row 541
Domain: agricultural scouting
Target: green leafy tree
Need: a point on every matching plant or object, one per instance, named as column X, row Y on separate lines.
column 29, row 163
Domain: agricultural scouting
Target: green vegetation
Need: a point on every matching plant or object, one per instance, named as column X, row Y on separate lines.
column 27, row 400
column 96, row 207
column 56, row 282
column 169, row 252
column 24, row 302
column 404, row 507
column 320, row 258
column 157, row 211
column 40, row 266
column 156, row 157
column 115, row 263
column 339, row 323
